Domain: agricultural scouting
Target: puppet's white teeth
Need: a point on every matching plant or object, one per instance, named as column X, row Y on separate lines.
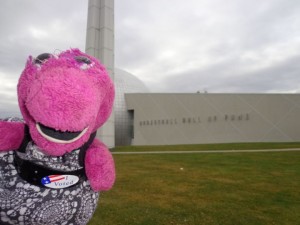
column 52, row 139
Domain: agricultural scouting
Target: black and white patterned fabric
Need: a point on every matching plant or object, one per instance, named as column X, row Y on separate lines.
column 24, row 204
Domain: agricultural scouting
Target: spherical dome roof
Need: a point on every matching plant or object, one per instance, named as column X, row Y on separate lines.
column 128, row 82
column 125, row 83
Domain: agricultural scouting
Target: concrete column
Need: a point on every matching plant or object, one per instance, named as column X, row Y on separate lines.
column 100, row 44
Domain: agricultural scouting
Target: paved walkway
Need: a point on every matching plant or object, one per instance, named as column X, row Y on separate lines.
column 206, row 151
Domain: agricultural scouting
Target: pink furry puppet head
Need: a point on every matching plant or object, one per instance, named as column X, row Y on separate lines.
column 63, row 99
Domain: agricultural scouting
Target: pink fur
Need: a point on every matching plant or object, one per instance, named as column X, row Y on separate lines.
column 12, row 134
column 99, row 167
column 61, row 95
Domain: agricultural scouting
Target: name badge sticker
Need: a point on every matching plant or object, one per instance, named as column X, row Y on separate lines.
column 59, row 181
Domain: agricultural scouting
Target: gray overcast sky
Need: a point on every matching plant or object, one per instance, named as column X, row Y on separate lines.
column 172, row 45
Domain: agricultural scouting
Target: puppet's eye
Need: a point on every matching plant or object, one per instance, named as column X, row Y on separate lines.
column 84, row 62
column 42, row 58
column 83, row 59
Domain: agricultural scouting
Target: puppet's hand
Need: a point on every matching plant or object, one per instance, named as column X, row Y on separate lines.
column 99, row 167
column 11, row 135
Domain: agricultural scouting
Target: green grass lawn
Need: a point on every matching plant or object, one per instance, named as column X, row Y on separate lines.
column 195, row 189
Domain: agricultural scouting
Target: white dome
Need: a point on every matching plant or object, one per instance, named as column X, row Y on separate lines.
column 125, row 83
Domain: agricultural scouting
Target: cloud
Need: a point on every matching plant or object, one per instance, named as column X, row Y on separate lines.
column 31, row 28
column 170, row 43
column 173, row 46
column 226, row 77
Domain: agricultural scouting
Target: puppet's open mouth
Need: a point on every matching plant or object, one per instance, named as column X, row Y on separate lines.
column 59, row 136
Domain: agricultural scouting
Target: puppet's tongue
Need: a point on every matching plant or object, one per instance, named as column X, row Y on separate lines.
column 57, row 135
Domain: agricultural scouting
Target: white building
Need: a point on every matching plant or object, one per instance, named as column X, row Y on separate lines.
column 165, row 119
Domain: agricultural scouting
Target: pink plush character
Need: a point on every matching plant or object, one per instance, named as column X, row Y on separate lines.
column 51, row 166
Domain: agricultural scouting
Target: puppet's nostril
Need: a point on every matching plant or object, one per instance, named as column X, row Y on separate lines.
column 42, row 58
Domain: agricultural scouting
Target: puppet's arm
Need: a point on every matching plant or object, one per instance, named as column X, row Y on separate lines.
column 99, row 167
column 11, row 135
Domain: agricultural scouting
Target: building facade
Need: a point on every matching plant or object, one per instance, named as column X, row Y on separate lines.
column 125, row 83
column 170, row 119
